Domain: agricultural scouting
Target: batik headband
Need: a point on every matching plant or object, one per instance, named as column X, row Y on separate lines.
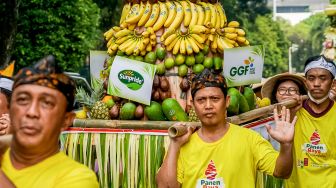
column 207, row 79
column 46, row 73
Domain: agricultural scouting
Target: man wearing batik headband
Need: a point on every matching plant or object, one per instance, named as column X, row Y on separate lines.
column 41, row 107
column 315, row 132
column 220, row 153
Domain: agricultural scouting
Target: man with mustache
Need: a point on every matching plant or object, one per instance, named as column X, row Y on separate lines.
column 41, row 107
column 221, row 154
column 314, row 153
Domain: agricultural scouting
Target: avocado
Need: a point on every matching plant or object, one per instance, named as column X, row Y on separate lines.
column 243, row 104
column 173, row 111
column 249, row 95
column 127, row 111
column 154, row 112
column 233, row 108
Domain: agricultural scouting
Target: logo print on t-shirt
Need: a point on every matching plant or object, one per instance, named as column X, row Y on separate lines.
column 315, row 138
column 314, row 147
column 211, row 171
column 210, row 181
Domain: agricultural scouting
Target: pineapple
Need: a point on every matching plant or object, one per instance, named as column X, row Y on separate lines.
column 193, row 116
column 97, row 108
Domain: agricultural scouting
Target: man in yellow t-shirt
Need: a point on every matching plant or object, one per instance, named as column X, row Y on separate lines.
column 221, row 154
column 315, row 131
column 41, row 107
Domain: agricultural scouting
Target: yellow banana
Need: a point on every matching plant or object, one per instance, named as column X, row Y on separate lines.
column 124, row 12
column 187, row 13
column 149, row 47
column 207, row 12
column 227, row 43
column 138, row 15
column 188, row 46
column 241, row 39
column 108, row 34
column 145, row 34
column 110, row 42
column 131, row 27
column 144, row 18
column 194, row 14
column 198, row 29
column 122, row 39
column 133, row 13
column 213, row 16
column 122, row 47
column 178, row 18
column 172, row 44
column 177, row 47
column 231, row 36
column 162, row 18
column 193, row 44
column 200, row 46
column 122, row 33
column 240, row 32
column 170, row 39
column 182, row 46
column 154, row 15
column 198, row 38
column 143, row 52
column 110, row 51
column 171, row 13
column 229, row 40
column 233, row 24
column 222, row 15
column 247, row 43
column 146, row 41
column 130, row 48
column 218, row 17
column 201, row 14
column 167, row 34
column 220, row 44
column 230, row 30
column 114, row 47
column 214, row 44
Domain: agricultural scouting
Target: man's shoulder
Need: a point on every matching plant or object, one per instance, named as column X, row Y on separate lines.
column 69, row 163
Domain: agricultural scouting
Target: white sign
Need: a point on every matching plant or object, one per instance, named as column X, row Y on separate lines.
column 131, row 79
column 243, row 66
column 97, row 59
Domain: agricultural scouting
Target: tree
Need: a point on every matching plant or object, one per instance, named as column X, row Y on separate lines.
column 8, row 23
column 66, row 29
column 309, row 36
column 268, row 33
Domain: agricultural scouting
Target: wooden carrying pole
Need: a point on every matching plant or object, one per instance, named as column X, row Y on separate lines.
column 176, row 131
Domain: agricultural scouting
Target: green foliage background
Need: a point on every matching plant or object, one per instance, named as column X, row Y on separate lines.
column 69, row 29
column 66, row 29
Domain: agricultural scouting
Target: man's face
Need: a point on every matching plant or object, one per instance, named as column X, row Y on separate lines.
column 210, row 105
column 318, row 82
column 38, row 114
column 287, row 90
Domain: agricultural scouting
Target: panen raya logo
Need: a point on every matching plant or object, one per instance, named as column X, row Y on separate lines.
column 132, row 79
column 210, row 180
column 247, row 68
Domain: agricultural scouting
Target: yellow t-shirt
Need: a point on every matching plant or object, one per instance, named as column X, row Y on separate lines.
column 56, row 171
column 232, row 161
column 314, row 151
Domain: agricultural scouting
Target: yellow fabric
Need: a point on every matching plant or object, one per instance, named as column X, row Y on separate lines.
column 58, row 171
column 314, row 167
column 232, row 161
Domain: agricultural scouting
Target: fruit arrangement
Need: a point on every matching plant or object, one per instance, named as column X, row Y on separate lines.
column 329, row 44
column 181, row 38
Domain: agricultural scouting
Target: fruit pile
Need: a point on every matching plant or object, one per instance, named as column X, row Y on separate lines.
column 329, row 45
column 181, row 38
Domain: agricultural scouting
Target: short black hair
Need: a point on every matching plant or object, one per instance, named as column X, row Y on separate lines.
column 302, row 90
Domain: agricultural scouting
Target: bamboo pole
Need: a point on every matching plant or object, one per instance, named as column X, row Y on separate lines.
column 175, row 131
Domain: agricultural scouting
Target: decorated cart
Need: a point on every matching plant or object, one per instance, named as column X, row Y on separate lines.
column 141, row 87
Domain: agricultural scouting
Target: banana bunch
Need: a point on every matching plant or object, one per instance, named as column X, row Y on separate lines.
column 112, row 47
column 131, row 42
column 227, row 37
column 185, row 41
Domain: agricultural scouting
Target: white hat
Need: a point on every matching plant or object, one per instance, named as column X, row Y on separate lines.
column 6, row 83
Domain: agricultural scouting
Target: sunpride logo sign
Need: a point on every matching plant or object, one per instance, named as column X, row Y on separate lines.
column 132, row 79
column 245, row 69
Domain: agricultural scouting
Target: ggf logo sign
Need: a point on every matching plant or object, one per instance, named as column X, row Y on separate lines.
column 132, row 79
column 248, row 68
